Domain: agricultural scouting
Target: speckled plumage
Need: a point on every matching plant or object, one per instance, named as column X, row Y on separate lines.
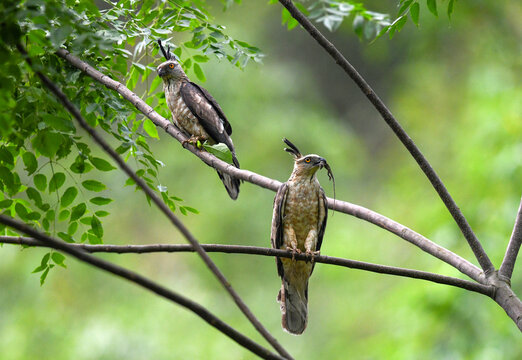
column 298, row 224
column 196, row 113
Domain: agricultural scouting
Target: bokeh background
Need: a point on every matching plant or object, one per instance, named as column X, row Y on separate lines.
column 454, row 86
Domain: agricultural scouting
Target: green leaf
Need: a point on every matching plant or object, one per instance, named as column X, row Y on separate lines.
column 5, row 203
column 101, row 213
column 199, row 72
column 47, row 142
column 6, row 157
column 101, row 164
column 30, row 162
column 66, row 237
column 414, row 12
column 34, row 195
column 71, row 230
column 432, row 7
column 404, row 6
column 58, row 259
column 43, row 263
column 64, row 214
column 56, row 181
column 100, row 200
column 220, row 150
column 68, row 196
column 21, row 211
column 200, row 58
column 150, row 128
column 450, row 8
column 96, row 227
column 44, row 275
column 192, row 210
column 40, row 181
column 78, row 211
column 93, row 185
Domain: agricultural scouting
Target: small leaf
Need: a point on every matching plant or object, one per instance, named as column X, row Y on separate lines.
column 44, row 275
column 432, row 7
column 56, row 181
column 5, row 203
column 96, row 227
column 93, row 185
column 150, row 128
column 101, row 213
column 64, row 214
column 68, row 196
column 30, row 162
column 34, row 195
column 414, row 12
column 47, row 142
column 220, row 150
column 450, row 8
column 40, row 181
column 21, row 211
column 78, row 211
column 200, row 58
column 101, row 164
column 58, row 259
column 199, row 72
column 71, row 230
column 192, row 210
column 66, row 237
column 100, row 200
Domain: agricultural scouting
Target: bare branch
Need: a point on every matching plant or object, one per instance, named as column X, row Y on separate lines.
column 142, row 281
column 388, row 117
column 161, row 205
column 345, row 207
column 254, row 250
column 506, row 269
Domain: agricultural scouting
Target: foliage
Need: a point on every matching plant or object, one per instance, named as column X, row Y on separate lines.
column 61, row 187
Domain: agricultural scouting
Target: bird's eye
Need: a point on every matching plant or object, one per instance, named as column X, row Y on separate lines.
column 171, row 66
column 307, row 160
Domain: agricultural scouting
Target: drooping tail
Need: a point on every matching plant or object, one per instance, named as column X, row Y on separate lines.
column 294, row 307
column 230, row 182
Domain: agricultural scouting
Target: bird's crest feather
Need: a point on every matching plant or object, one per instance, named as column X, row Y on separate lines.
column 167, row 53
column 293, row 149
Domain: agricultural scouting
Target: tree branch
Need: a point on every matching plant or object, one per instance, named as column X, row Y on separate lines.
column 388, row 117
column 142, row 281
column 254, row 250
column 161, row 205
column 506, row 269
column 345, row 207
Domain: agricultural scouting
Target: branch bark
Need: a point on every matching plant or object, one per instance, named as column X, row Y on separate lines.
column 142, row 281
column 388, row 117
column 161, row 205
column 254, row 250
column 402, row 231
column 506, row 268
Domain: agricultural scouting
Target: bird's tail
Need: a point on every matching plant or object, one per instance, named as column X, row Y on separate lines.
column 294, row 307
column 230, row 182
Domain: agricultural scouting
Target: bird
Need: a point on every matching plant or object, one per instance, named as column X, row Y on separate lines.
column 298, row 224
column 196, row 113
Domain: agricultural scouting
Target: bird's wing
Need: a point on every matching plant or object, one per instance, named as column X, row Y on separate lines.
column 207, row 110
column 323, row 216
column 276, row 236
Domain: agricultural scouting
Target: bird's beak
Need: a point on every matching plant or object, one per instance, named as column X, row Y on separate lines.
column 160, row 71
column 321, row 162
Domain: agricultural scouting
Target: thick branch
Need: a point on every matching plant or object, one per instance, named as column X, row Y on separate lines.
column 386, row 114
column 161, row 205
column 254, row 250
column 345, row 207
column 142, row 281
column 506, row 269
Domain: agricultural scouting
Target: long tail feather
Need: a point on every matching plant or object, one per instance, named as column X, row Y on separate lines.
column 231, row 184
column 294, row 308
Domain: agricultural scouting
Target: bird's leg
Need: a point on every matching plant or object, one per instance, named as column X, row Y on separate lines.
column 311, row 245
column 291, row 242
column 197, row 141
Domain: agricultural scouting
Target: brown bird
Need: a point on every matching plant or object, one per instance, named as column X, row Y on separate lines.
column 196, row 113
column 298, row 224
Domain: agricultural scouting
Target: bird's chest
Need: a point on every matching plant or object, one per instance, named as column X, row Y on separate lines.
column 302, row 208
column 183, row 118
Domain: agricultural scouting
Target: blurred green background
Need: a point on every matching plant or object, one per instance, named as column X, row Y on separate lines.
column 454, row 86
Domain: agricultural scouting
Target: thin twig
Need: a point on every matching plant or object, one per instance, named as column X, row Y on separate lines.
column 407, row 234
column 506, row 269
column 388, row 117
column 254, row 250
column 142, row 281
column 161, row 205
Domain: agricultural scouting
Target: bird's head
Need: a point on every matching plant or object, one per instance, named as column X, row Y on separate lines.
column 306, row 165
column 170, row 69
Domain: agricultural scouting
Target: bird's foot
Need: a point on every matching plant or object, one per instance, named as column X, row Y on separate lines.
column 294, row 250
column 196, row 141
column 312, row 255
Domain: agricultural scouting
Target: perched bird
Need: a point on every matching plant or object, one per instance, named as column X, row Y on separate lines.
column 196, row 113
column 298, row 224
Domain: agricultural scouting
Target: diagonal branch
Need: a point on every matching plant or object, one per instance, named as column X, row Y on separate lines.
column 345, row 207
column 254, row 250
column 386, row 114
column 161, row 205
column 506, row 269
column 142, row 281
